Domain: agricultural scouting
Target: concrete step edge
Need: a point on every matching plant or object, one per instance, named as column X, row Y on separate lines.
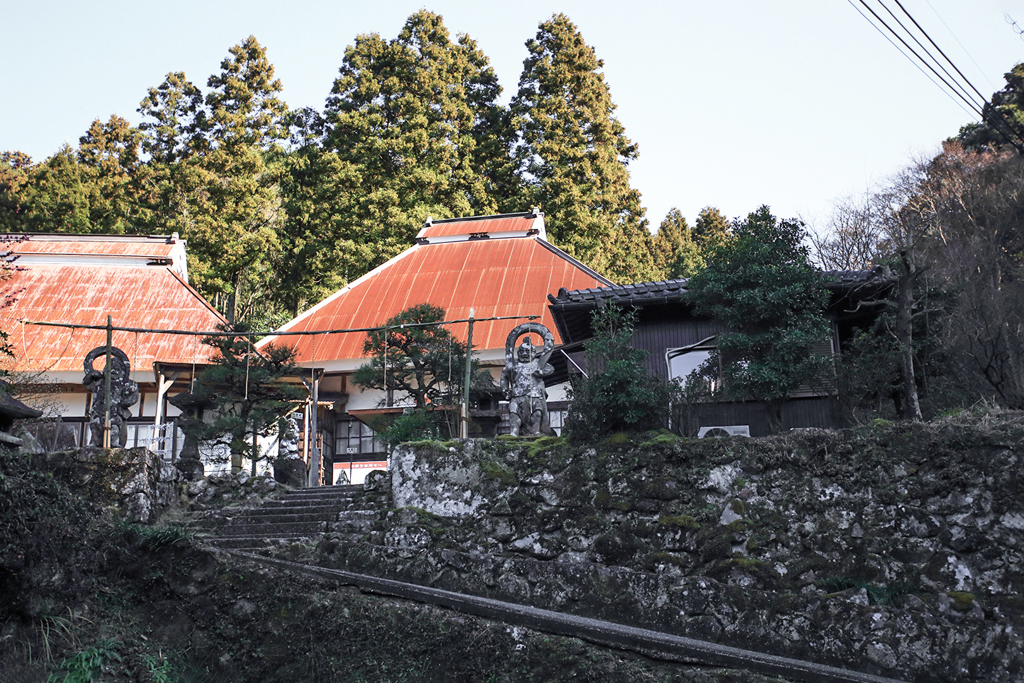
column 645, row 641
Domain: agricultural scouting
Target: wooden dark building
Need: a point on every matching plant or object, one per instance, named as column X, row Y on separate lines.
column 678, row 341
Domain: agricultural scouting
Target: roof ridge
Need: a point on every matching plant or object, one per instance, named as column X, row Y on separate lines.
column 91, row 237
column 464, row 219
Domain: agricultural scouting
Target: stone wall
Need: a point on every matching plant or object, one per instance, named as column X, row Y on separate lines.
column 136, row 480
column 895, row 550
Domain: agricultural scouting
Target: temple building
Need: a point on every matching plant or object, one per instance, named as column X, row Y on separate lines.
column 135, row 281
column 490, row 266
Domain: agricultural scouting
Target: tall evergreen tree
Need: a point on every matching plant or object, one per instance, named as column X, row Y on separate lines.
column 711, row 230
column 94, row 189
column 321, row 249
column 174, row 136
column 677, row 254
column 110, row 156
column 574, row 155
column 58, row 195
column 15, row 178
column 417, row 119
column 173, row 119
column 235, row 232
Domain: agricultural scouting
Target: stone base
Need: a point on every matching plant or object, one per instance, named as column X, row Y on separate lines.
column 191, row 470
column 290, row 472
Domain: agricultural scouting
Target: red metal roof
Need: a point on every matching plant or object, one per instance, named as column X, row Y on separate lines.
column 495, row 277
column 150, row 297
column 473, row 226
column 157, row 247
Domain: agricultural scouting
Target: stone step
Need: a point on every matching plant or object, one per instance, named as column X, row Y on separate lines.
column 325, row 491
column 268, row 518
column 264, row 542
column 267, row 530
column 323, row 510
column 328, row 510
column 300, row 514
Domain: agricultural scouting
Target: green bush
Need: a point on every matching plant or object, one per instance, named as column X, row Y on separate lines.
column 417, row 425
column 618, row 395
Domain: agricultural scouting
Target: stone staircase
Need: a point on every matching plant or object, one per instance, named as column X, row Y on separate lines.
column 300, row 515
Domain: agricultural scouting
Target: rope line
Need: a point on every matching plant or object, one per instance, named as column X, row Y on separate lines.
column 192, row 377
column 273, row 333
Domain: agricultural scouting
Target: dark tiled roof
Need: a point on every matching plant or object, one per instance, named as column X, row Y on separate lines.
column 675, row 290
column 12, row 408
column 665, row 290
column 843, row 277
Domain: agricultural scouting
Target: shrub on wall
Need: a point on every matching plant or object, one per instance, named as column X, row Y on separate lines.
column 617, row 394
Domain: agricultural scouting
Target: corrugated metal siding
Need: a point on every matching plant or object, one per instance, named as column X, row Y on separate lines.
column 797, row 413
column 134, row 297
column 505, row 277
column 659, row 336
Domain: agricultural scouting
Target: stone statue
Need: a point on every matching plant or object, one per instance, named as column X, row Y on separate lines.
column 289, row 468
column 124, row 393
column 522, row 380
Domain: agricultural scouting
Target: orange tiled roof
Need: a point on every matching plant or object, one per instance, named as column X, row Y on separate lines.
column 495, row 277
column 150, row 297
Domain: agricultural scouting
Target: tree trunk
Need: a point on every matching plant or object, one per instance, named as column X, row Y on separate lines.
column 773, row 410
column 255, row 452
column 911, row 407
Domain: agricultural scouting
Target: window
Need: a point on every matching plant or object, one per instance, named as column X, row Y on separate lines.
column 684, row 360
column 353, row 438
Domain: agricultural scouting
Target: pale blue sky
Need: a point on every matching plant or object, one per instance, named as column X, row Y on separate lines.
column 734, row 103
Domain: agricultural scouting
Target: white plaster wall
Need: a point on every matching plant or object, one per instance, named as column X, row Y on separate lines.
column 370, row 398
column 148, row 402
column 557, row 392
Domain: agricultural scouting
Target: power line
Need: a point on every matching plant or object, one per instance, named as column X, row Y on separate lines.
column 962, row 47
column 925, row 33
column 923, row 61
column 275, row 333
column 909, row 59
column 1001, row 117
column 985, row 112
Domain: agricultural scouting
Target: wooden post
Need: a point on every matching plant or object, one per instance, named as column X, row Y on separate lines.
column 106, row 379
column 163, row 385
column 314, row 462
column 464, row 422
